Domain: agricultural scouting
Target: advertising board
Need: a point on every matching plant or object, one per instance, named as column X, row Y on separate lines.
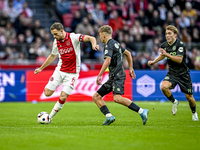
column 147, row 86
column 85, row 88
column 12, row 86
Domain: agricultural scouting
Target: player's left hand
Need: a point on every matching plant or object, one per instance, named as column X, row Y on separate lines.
column 132, row 74
column 99, row 80
column 95, row 47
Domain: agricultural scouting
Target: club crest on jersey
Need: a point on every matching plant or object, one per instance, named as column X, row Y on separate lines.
column 174, row 48
column 116, row 45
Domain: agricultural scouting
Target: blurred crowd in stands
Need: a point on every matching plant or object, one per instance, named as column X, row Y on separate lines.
column 138, row 25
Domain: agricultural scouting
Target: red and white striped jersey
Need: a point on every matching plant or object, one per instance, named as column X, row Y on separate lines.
column 69, row 52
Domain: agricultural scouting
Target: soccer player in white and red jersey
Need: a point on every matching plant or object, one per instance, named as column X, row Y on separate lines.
column 67, row 46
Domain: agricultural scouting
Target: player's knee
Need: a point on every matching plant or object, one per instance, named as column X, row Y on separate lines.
column 96, row 96
column 116, row 99
column 189, row 97
column 48, row 92
column 164, row 87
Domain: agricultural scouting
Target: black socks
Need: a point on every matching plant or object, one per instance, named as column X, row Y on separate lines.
column 104, row 109
column 171, row 98
column 193, row 109
column 134, row 107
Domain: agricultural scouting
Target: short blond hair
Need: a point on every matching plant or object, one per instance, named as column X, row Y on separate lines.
column 172, row 28
column 107, row 29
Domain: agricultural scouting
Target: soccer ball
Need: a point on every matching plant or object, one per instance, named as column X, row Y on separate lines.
column 43, row 118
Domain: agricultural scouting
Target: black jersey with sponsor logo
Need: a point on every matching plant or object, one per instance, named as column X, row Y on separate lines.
column 176, row 49
column 115, row 51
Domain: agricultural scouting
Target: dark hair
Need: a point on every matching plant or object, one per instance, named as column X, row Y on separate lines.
column 57, row 26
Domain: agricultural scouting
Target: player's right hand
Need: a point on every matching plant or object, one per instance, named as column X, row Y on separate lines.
column 150, row 63
column 132, row 74
column 98, row 80
column 37, row 70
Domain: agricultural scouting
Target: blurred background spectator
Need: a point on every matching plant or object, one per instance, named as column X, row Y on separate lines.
column 63, row 6
column 139, row 25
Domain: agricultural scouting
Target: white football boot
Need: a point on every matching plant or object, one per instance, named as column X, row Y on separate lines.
column 174, row 107
column 195, row 116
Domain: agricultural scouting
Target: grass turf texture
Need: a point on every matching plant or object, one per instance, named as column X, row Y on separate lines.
column 78, row 127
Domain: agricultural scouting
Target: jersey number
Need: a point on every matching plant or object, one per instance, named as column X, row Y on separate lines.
column 73, row 81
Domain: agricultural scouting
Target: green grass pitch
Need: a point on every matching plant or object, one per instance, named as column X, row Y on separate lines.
column 78, row 127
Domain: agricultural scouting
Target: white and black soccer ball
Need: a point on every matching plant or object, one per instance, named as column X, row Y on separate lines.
column 43, row 118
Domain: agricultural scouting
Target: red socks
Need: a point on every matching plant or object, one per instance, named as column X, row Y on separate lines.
column 61, row 102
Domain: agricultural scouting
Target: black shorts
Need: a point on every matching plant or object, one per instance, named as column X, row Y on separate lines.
column 117, row 86
column 184, row 82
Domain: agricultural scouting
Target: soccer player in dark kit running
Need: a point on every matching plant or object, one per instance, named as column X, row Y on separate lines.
column 175, row 51
column 113, row 59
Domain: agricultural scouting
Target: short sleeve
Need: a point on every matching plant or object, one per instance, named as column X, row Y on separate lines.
column 108, row 51
column 123, row 50
column 77, row 37
column 181, row 49
column 54, row 48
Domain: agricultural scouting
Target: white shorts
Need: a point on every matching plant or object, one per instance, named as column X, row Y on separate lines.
column 69, row 81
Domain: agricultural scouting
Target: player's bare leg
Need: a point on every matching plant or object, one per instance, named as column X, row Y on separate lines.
column 165, row 89
column 104, row 109
column 190, row 99
column 192, row 104
column 128, row 103
column 48, row 92
column 98, row 100
column 122, row 100
column 59, row 105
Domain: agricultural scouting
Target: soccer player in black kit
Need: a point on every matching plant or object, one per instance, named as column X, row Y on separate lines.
column 114, row 60
column 175, row 51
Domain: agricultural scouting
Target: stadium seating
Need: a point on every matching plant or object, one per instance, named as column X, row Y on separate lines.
column 74, row 8
column 67, row 19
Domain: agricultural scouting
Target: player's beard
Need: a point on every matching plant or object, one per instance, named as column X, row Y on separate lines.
column 59, row 38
